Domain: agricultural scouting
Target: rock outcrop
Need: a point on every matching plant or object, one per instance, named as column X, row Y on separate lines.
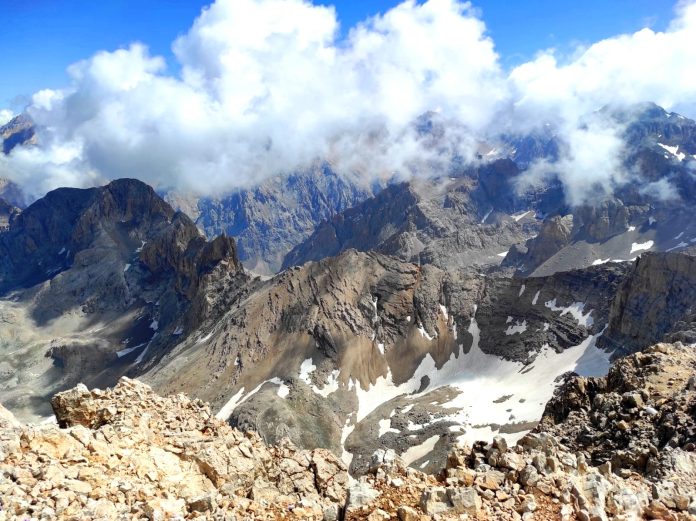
column 620, row 447
column 127, row 453
column 449, row 222
column 20, row 130
column 655, row 302
column 269, row 219
column 95, row 281
column 614, row 448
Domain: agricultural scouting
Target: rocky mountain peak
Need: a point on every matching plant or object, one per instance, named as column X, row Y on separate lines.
column 20, row 130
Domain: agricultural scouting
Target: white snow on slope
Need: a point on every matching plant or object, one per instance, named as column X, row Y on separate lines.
column 332, row 384
column 227, row 409
column 141, row 356
column 417, row 452
column 674, row 151
column 346, row 457
column 126, row 268
column 239, row 397
column 519, row 216
column 517, row 328
column 631, row 228
column 283, row 390
column 124, row 352
column 600, row 261
column 306, row 369
column 204, row 338
column 503, row 254
column 476, row 371
column 639, row 246
column 522, row 290
column 575, row 309
column 385, row 427
column 536, row 298
column 424, row 333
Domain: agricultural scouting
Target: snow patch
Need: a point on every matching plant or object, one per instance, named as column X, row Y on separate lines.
column 519, row 216
column 517, row 328
column 330, row 387
column 126, row 268
column 204, row 338
column 178, row 331
column 576, row 311
column 476, row 370
column 631, row 228
column 227, row 409
column 385, row 427
column 600, row 261
column 674, row 151
column 154, row 325
column 639, row 246
column 536, row 298
column 522, row 290
column 283, row 390
column 346, row 456
column 124, row 352
column 417, row 452
column 306, row 369
column 503, row 254
column 141, row 356
column 424, row 333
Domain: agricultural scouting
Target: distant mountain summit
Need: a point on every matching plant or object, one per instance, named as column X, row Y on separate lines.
column 20, row 130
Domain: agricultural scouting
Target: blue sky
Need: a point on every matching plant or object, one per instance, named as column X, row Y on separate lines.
column 40, row 38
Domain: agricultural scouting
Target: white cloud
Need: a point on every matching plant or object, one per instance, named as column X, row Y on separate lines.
column 267, row 87
column 662, row 190
column 5, row 116
column 618, row 71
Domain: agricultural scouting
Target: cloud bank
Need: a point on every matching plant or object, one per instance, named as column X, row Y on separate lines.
column 267, row 86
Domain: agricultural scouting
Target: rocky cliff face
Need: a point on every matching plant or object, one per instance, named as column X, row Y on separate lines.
column 450, row 222
column 660, row 149
column 655, row 302
column 20, row 130
column 8, row 213
column 96, row 280
column 369, row 352
column 271, row 218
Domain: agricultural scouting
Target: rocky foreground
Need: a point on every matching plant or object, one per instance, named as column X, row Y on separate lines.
column 620, row 447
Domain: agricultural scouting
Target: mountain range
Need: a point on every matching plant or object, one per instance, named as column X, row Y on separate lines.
column 404, row 316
